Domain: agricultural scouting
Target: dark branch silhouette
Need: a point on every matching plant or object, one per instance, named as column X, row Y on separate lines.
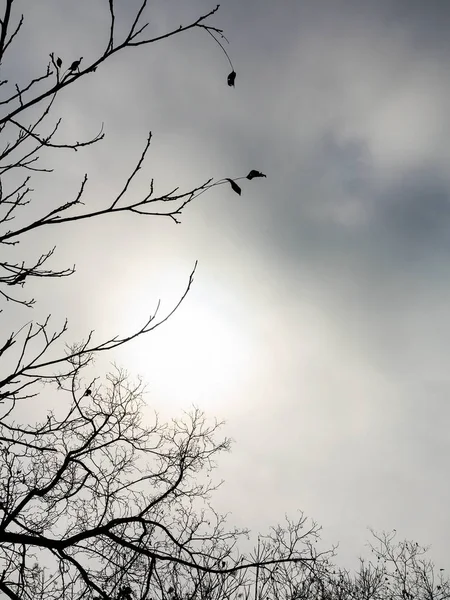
column 98, row 498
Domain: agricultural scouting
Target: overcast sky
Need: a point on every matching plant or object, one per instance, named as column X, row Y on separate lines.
column 319, row 322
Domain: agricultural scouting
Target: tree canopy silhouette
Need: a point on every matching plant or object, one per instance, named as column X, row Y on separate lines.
column 98, row 498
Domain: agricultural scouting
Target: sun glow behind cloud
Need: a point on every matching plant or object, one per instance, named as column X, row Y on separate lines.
column 200, row 355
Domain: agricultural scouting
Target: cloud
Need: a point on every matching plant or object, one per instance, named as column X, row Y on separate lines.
column 337, row 263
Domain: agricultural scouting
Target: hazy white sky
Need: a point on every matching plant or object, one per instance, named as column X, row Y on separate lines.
column 319, row 322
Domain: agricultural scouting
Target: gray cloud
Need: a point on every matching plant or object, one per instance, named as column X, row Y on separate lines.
column 334, row 270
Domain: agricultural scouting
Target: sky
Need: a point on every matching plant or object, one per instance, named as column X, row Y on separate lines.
column 318, row 323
